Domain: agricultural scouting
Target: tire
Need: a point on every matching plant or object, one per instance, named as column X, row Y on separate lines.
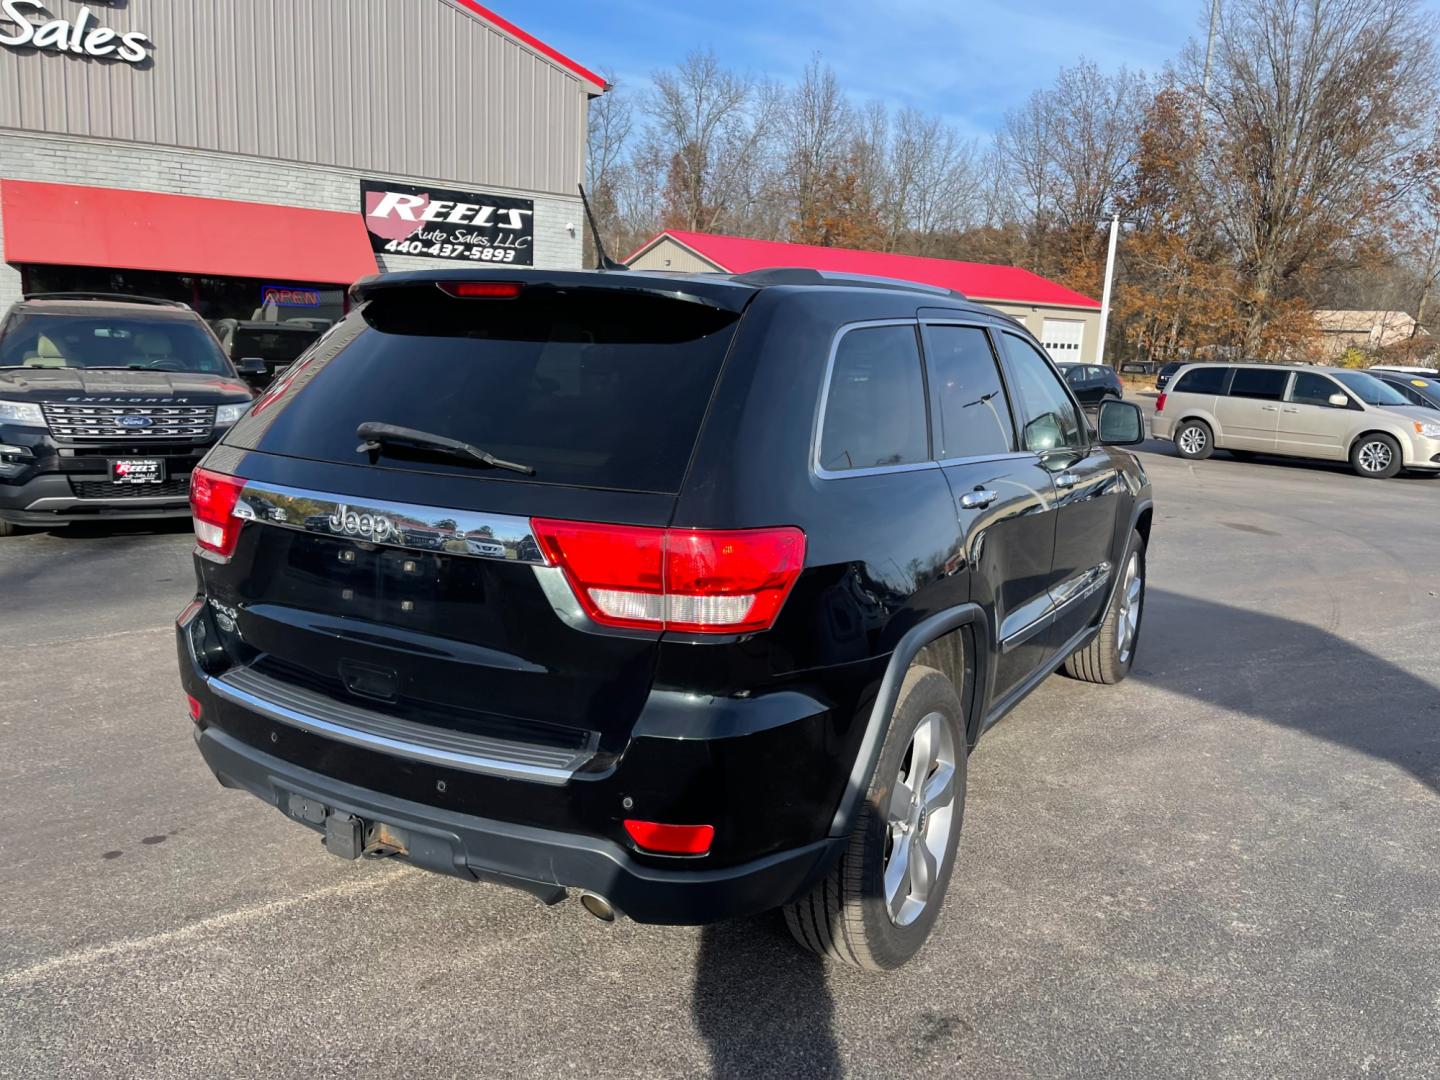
column 1111, row 652
column 848, row 915
column 1194, row 440
column 1375, row 456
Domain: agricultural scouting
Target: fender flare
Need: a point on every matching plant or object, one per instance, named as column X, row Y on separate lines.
column 877, row 726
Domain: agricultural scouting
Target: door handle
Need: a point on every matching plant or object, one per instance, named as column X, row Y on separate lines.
column 1290, row 410
column 1066, row 480
column 978, row 499
column 1269, row 408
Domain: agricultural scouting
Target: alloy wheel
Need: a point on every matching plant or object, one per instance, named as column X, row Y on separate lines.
column 1375, row 456
column 1192, row 439
column 919, row 819
column 1132, row 596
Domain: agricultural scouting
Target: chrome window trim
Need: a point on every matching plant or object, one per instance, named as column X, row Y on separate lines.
column 478, row 535
column 819, row 426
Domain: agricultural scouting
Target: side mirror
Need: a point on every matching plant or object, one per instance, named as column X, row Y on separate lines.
column 1121, row 423
column 251, row 365
column 1339, row 401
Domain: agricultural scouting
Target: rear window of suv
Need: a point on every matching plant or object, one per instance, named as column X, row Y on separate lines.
column 590, row 388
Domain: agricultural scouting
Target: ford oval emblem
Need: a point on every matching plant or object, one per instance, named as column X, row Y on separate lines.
column 134, row 421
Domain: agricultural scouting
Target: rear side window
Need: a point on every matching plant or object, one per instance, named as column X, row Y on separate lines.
column 973, row 417
column 591, row 388
column 1203, row 380
column 1312, row 389
column 875, row 404
column 1259, row 383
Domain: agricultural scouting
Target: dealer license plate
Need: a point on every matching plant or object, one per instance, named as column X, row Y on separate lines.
column 140, row 470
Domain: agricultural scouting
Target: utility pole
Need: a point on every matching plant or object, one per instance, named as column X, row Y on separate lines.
column 1105, row 296
column 1209, row 50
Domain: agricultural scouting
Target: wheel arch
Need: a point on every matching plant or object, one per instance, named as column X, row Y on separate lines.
column 1399, row 440
column 955, row 641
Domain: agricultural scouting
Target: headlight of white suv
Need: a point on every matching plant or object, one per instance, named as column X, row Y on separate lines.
column 228, row 414
column 21, row 412
column 1427, row 428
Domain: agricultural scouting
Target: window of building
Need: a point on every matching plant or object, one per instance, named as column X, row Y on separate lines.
column 875, row 407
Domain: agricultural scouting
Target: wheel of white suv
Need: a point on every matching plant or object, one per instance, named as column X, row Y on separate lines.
column 1376, row 456
column 876, row 907
column 1194, row 440
column 1108, row 657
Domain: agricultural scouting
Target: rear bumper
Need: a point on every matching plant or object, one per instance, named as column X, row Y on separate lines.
column 543, row 862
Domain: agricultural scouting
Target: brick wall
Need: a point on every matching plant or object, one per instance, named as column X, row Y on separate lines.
column 62, row 160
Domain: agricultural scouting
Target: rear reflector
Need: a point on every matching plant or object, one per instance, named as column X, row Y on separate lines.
column 194, row 707
column 694, row 580
column 1160, row 404
column 212, row 509
column 670, row 839
column 481, row 290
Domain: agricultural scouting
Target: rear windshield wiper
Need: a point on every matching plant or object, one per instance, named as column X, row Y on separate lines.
column 375, row 435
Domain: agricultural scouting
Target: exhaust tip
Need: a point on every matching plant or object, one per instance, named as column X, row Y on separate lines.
column 598, row 906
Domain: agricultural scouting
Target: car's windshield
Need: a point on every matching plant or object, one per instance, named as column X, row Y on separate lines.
column 1369, row 389
column 109, row 341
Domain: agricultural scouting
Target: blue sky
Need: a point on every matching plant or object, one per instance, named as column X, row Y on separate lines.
column 968, row 60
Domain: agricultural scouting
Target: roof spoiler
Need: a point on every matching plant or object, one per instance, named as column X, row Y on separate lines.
column 718, row 292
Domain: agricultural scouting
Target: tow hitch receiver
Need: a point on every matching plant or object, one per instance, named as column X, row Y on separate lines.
column 343, row 834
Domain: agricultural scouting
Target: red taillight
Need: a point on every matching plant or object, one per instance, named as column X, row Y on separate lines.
column 694, row 580
column 481, row 290
column 194, row 707
column 212, row 508
column 671, row 839
column 1160, row 404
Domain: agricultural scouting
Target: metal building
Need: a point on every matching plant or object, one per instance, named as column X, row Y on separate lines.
column 262, row 154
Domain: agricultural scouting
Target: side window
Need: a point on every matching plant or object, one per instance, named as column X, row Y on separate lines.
column 1204, row 380
column 875, row 406
column 973, row 419
column 1312, row 389
column 1259, row 383
column 1048, row 418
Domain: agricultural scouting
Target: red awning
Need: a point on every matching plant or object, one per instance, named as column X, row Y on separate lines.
column 70, row 225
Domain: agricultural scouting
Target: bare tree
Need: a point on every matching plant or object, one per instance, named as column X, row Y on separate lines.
column 815, row 129
column 607, row 136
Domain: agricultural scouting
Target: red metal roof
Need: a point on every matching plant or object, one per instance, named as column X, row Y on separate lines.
column 71, row 225
column 535, row 43
column 980, row 281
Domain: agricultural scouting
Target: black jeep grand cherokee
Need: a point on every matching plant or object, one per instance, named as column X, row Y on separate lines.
column 106, row 404
column 689, row 592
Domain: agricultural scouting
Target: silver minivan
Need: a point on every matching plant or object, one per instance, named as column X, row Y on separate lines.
column 1332, row 414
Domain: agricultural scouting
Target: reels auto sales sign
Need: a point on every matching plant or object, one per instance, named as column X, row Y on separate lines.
column 440, row 224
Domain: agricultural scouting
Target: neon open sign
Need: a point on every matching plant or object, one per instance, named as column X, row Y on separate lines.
column 285, row 296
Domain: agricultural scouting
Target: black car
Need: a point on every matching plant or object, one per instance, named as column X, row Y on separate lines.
column 1092, row 383
column 1163, row 378
column 267, row 348
column 688, row 592
column 1418, row 389
column 106, row 404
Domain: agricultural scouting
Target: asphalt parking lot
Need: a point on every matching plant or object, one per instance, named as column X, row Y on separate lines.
column 1227, row 866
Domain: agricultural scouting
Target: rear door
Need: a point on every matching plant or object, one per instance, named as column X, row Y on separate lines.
column 1004, row 497
column 1087, row 487
column 1249, row 415
column 1310, row 425
column 411, row 583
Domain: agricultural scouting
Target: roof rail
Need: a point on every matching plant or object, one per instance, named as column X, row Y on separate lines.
column 121, row 298
column 804, row 275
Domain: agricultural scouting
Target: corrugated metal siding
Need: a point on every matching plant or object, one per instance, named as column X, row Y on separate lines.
column 394, row 87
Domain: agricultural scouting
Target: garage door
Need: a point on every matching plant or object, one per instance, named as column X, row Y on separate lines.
column 1062, row 338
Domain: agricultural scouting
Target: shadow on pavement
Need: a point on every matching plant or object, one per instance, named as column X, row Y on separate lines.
column 1293, row 675
column 761, row 1002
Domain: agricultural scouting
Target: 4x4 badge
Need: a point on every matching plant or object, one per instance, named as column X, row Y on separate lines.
column 366, row 526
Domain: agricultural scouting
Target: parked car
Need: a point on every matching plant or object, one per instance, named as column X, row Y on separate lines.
column 729, row 600
column 1417, row 389
column 1092, row 383
column 1162, row 379
column 1139, row 367
column 106, row 405
column 267, row 347
column 1331, row 414
column 1404, row 369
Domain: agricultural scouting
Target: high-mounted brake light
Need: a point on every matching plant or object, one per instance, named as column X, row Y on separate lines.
column 1160, row 404
column 481, row 290
column 670, row 839
column 212, row 509
column 693, row 580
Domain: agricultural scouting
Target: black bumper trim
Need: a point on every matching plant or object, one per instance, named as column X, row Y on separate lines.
column 543, row 862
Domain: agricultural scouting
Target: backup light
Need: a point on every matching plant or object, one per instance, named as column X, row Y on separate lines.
column 670, row 839
column 212, row 510
column 704, row 581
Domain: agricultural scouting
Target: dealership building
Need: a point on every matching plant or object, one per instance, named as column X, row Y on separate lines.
column 1065, row 321
column 213, row 152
